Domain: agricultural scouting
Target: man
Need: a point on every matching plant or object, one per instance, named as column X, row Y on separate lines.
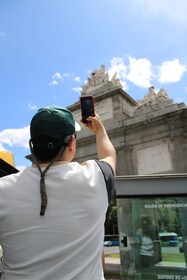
column 52, row 214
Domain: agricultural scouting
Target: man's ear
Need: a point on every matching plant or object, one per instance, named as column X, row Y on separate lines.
column 71, row 145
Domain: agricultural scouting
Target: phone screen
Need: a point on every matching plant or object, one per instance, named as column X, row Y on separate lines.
column 87, row 107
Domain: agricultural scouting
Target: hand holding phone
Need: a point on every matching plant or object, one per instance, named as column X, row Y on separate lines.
column 87, row 107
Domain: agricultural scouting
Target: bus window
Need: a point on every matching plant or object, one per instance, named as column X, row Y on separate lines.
column 169, row 238
column 113, row 240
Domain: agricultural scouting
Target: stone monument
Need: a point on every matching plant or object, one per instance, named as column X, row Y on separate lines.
column 149, row 135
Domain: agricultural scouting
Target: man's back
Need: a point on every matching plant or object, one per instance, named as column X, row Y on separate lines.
column 67, row 242
column 52, row 214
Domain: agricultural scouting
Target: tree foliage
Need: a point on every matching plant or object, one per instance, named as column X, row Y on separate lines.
column 111, row 225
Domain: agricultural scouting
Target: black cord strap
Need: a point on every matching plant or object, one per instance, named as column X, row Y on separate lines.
column 43, row 192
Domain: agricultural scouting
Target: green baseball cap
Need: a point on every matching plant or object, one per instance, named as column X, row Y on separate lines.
column 52, row 122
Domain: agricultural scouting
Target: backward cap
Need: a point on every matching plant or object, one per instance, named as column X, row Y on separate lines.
column 52, row 121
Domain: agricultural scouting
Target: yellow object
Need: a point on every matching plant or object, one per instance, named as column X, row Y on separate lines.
column 8, row 157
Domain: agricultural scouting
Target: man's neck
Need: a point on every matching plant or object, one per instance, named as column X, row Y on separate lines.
column 58, row 162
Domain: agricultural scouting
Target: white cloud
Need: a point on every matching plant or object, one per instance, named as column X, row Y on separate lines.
column 124, row 85
column 171, row 71
column 77, row 79
column 60, row 78
column 77, row 89
column 1, row 147
column 140, row 72
column 53, row 83
column 117, row 65
column 15, row 137
column 85, row 82
column 57, row 76
column 32, row 106
column 66, row 75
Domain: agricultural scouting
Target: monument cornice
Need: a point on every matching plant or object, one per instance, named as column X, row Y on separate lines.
column 103, row 95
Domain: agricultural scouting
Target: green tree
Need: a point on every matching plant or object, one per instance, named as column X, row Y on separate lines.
column 168, row 217
column 111, row 224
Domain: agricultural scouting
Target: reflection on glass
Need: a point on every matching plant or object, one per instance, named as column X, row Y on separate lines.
column 146, row 232
column 153, row 235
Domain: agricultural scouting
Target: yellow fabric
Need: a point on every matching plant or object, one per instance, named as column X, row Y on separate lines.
column 8, row 157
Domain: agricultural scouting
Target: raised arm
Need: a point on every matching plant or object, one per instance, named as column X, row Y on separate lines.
column 105, row 148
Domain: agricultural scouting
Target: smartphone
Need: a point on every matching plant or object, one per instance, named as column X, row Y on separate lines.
column 87, row 107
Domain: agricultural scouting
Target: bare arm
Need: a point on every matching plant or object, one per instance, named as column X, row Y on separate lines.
column 105, row 148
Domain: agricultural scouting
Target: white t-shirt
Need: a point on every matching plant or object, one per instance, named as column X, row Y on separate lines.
column 147, row 246
column 67, row 242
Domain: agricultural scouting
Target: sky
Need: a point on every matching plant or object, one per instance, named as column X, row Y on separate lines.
column 48, row 49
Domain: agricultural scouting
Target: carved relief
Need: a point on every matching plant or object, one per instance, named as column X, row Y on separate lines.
column 152, row 97
column 100, row 78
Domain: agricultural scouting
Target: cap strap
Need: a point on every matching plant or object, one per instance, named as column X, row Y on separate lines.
column 43, row 192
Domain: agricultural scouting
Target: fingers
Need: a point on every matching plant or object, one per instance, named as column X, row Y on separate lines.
column 93, row 123
column 91, row 118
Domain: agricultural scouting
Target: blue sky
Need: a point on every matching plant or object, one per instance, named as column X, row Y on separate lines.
column 49, row 47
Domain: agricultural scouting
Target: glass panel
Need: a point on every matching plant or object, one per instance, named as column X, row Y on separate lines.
column 153, row 238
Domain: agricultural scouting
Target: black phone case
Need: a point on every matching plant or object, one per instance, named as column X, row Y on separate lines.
column 87, row 107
